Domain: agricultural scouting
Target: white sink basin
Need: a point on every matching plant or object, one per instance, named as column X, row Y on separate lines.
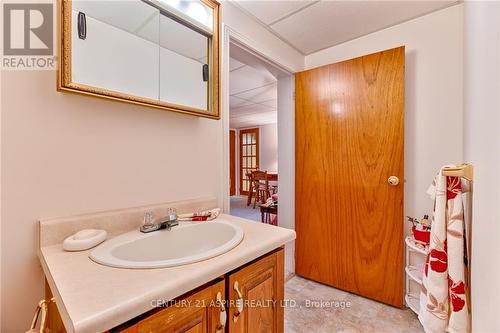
column 183, row 244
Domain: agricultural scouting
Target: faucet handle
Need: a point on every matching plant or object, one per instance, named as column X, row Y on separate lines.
column 148, row 224
column 171, row 214
column 148, row 218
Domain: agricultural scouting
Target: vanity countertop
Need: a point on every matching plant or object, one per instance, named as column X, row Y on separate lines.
column 93, row 298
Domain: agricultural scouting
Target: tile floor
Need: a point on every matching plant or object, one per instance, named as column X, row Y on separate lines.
column 363, row 315
column 238, row 207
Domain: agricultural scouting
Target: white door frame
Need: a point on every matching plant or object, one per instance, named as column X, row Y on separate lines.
column 231, row 36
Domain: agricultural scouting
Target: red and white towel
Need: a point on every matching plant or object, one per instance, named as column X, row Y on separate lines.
column 443, row 301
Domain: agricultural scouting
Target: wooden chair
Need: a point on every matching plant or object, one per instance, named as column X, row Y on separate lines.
column 260, row 185
column 250, row 190
column 274, row 189
column 265, row 214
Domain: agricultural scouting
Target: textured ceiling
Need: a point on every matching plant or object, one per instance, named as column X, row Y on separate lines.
column 253, row 96
column 310, row 26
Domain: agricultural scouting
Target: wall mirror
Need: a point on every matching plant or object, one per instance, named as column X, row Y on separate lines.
column 158, row 53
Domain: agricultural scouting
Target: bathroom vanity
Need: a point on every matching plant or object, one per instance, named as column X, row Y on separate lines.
column 258, row 287
column 241, row 290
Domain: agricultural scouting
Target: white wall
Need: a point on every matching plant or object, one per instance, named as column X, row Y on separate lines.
column 64, row 154
column 433, row 98
column 1, row 198
column 286, row 162
column 268, row 137
column 482, row 147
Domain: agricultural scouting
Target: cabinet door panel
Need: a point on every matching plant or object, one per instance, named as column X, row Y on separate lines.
column 194, row 323
column 197, row 313
column 261, row 285
column 261, row 319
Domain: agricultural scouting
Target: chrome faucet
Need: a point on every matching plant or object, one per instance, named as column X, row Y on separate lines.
column 166, row 222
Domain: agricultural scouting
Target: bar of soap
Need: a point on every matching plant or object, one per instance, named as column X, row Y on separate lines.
column 86, row 233
column 84, row 239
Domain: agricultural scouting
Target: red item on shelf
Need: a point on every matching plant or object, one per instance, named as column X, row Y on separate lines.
column 422, row 236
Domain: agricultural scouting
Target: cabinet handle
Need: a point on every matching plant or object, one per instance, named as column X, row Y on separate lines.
column 239, row 302
column 42, row 313
column 222, row 314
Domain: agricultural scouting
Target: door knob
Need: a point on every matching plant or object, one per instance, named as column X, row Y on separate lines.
column 393, row 180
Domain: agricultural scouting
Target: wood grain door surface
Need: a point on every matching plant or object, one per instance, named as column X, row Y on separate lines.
column 349, row 141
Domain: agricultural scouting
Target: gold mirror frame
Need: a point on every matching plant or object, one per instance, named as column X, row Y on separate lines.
column 65, row 83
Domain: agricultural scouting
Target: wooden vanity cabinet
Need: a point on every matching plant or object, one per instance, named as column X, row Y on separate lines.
column 258, row 287
column 199, row 312
column 256, row 295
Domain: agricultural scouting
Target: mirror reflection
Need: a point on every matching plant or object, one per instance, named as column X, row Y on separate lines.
column 183, row 64
column 158, row 52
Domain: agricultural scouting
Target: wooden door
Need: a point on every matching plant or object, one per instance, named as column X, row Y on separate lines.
column 249, row 156
column 260, row 288
column 196, row 313
column 349, row 141
column 232, row 162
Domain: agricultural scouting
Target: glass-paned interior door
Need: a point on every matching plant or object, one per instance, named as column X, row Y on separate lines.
column 249, row 156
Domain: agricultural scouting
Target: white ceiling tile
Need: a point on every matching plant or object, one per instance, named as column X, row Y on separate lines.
column 261, row 94
column 239, row 103
column 235, row 102
column 248, row 78
column 272, row 103
column 270, row 11
column 253, row 96
column 250, row 109
column 182, row 40
column 254, row 120
column 149, row 29
column 234, row 64
column 327, row 23
column 130, row 16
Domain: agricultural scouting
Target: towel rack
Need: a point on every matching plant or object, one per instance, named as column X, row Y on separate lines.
column 465, row 170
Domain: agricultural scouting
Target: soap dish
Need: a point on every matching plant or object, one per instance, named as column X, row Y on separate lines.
column 84, row 240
